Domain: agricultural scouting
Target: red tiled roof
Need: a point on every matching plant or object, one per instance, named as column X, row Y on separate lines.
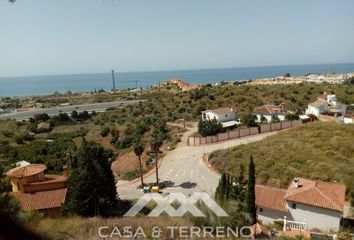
column 270, row 197
column 222, row 110
column 268, row 109
column 41, row 200
column 316, row 193
column 26, row 171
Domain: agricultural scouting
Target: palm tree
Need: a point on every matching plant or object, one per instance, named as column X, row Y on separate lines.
column 138, row 150
column 156, row 143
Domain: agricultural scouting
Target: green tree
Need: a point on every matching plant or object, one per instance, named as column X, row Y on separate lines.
column 8, row 204
column 74, row 114
column 249, row 120
column 292, row 117
column 209, row 127
column 91, row 184
column 105, row 131
column 251, row 194
column 138, row 150
column 238, row 190
column 156, row 143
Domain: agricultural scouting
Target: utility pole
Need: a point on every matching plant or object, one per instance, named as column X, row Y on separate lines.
column 114, row 83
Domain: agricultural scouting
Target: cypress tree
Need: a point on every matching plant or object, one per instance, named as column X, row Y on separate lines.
column 91, row 184
column 238, row 190
column 221, row 189
column 251, row 195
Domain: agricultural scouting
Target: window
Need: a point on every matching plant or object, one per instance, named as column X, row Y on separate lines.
column 225, row 115
column 260, row 209
column 293, row 206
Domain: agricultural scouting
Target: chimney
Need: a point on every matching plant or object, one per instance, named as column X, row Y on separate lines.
column 296, row 182
column 65, row 171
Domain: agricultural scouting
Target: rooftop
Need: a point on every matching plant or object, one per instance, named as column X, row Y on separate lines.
column 310, row 192
column 26, row 171
column 319, row 102
column 41, row 200
column 220, row 111
column 270, row 197
column 268, row 109
column 317, row 193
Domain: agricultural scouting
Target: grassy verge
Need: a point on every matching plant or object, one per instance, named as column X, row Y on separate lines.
column 317, row 150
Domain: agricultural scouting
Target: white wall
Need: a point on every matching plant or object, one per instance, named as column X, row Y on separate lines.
column 268, row 216
column 348, row 120
column 281, row 117
column 231, row 116
column 319, row 218
column 210, row 116
column 259, row 117
column 313, row 110
column 268, row 117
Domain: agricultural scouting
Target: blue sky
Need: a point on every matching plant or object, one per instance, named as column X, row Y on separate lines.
column 39, row 37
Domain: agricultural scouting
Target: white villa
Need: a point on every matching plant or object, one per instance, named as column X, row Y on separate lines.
column 269, row 112
column 326, row 104
column 317, row 107
column 225, row 115
column 311, row 204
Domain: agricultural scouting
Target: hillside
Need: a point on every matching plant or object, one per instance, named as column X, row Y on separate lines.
column 323, row 151
column 162, row 105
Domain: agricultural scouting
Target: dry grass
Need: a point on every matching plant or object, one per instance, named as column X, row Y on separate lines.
column 323, row 151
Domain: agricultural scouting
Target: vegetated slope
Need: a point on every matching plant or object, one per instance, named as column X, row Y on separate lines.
column 323, row 151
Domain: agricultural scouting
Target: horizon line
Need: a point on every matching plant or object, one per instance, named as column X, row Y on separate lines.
column 176, row 70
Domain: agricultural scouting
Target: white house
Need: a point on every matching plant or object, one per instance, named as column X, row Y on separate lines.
column 316, row 204
column 225, row 115
column 317, row 107
column 269, row 112
column 326, row 104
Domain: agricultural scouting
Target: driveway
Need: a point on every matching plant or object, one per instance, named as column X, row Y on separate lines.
column 182, row 169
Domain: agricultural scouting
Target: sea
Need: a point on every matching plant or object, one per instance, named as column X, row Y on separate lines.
column 40, row 85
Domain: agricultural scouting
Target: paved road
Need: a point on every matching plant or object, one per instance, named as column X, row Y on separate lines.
column 183, row 170
column 68, row 109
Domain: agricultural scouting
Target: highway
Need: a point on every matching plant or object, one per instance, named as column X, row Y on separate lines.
column 98, row 107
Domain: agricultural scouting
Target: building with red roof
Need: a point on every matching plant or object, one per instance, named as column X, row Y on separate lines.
column 319, row 204
column 37, row 191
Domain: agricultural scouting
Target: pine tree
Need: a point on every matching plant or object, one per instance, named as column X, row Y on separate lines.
column 91, row 184
column 251, row 195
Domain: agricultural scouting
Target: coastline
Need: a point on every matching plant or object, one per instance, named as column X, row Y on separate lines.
column 86, row 83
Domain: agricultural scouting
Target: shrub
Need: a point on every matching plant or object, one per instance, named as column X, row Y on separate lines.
column 105, row 131
column 209, row 127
